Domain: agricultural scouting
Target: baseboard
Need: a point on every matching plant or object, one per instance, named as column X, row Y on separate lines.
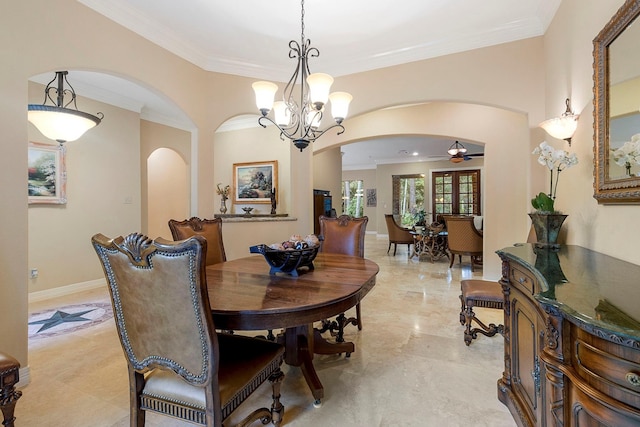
column 25, row 377
column 66, row 290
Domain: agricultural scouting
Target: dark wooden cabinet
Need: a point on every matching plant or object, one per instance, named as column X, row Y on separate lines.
column 321, row 206
column 572, row 338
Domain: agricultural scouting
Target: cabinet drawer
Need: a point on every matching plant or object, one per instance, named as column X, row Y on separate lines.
column 608, row 372
column 523, row 278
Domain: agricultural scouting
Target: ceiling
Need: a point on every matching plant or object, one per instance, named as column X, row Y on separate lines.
column 250, row 38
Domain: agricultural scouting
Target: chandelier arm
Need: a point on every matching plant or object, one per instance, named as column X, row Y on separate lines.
column 317, row 134
column 283, row 131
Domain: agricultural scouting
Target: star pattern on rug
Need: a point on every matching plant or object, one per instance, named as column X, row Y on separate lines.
column 60, row 317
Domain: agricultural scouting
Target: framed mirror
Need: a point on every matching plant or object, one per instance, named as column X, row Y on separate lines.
column 616, row 79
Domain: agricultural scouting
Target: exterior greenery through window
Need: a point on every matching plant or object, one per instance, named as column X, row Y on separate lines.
column 353, row 198
column 456, row 192
column 408, row 198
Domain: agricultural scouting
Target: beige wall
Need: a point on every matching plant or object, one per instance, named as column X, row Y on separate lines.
column 495, row 95
column 103, row 174
column 327, row 170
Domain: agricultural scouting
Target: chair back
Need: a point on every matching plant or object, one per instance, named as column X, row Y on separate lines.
column 463, row 237
column 210, row 229
column 160, row 304
column 343, row 235
column 397, row 234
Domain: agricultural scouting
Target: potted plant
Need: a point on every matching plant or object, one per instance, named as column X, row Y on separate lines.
column 546, row 220
column 419, row 219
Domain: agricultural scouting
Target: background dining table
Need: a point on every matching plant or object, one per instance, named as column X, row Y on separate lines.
column 244, row 296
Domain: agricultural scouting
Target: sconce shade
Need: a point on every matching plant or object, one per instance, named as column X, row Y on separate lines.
column 61, row 124
column 265, row 92
column 340, row 105
column 562, row 127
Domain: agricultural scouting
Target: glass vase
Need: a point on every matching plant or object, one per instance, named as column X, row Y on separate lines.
column 223, row 206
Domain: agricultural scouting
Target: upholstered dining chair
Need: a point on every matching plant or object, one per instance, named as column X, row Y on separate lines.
column 463, row 239
column 178, row 365
column 343, row 235
column 210, row 229
column 397, row 235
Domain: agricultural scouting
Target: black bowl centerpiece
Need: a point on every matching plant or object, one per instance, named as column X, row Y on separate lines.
column 289, row 256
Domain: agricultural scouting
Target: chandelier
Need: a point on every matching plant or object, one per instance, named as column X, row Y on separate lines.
column 56, row 121
column 299, row 120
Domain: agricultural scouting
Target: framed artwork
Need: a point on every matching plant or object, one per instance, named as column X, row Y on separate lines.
column 372, row 198
column 47, row 174
column 254, row 182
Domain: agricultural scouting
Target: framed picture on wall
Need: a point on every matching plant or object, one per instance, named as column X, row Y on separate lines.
column 47, row 174
column 372, row 198
column 254, row 182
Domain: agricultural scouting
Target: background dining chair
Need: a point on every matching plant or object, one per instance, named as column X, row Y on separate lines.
column 210, row 229
column 483, row 294
column 397, row 235
column 178, row 366
column 463, row 239
column 343, row 235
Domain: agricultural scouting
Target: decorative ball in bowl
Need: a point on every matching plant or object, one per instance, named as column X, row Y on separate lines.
column 289, row 256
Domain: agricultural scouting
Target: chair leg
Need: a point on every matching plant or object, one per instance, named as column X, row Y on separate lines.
column 395, row 246
column 277, row 410
column 468, row 314
column 358, row 318
column 389, row 248
column 453, row 258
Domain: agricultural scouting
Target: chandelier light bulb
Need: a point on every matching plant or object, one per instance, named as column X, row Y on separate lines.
column 319, row 87
column 340, row 105
column 265, row 93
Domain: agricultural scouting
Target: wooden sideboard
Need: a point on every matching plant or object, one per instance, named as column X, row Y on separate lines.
column 572, row 337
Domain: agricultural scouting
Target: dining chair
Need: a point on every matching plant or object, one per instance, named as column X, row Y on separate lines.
column 397, row 235
column 482, row 294
column 463, row 239
column 343, row 235
column 178, row 365
column 210, row 229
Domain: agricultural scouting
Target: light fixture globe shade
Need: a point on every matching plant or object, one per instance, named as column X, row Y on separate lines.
column 561, row 127
column 319, row 87
column 281, row 113
column 265, row 92
column 61, row 124
column 340, row 105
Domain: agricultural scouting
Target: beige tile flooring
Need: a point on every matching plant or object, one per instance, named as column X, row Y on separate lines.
column 410, row 368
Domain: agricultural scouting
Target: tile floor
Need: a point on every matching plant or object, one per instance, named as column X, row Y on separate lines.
column 410, row 368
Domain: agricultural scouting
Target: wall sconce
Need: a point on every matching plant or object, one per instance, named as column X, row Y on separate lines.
column 562, row 127
column 56, row 121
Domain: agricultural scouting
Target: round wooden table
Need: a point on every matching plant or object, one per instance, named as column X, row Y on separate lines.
column 244, row 296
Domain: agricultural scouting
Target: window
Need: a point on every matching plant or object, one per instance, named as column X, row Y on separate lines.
column 456, row 192
column 408, row 197
column 352, row 198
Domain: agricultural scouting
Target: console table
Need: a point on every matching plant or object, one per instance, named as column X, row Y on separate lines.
column 572, row 337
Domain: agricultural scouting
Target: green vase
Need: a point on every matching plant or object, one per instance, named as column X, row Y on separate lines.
column 547, row 227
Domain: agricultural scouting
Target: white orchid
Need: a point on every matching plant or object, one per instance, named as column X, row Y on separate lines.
column 556, row 161
column 629, row 153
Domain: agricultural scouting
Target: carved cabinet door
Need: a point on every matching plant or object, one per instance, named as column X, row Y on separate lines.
column 528, row 377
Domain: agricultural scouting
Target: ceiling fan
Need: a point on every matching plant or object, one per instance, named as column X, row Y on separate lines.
column 458, row 153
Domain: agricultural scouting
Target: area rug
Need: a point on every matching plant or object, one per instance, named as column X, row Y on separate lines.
column 70, row 318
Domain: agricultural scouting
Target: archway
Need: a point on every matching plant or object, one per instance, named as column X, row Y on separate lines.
column 505, row 135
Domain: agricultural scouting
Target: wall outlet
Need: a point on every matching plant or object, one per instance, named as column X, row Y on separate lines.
column 33, row 273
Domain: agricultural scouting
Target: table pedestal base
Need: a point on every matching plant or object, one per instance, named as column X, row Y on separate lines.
column 301, row 343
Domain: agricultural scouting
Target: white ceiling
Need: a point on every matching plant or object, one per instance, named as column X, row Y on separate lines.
column 250, row 38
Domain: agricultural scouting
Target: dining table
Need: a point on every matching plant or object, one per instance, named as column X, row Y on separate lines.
column 245, row 296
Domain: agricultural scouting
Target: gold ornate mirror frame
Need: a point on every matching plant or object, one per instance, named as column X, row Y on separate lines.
column 607, row 188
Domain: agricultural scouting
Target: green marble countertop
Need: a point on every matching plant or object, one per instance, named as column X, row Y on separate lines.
column 587, row 286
